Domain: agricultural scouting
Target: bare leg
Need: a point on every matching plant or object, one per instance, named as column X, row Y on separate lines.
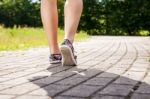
column 49, row 17
column 73, row 10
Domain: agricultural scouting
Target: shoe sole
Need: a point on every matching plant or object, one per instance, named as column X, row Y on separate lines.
column 55, row 62
column 67, row 56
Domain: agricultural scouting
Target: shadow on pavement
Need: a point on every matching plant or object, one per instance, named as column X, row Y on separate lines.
column 79, row 83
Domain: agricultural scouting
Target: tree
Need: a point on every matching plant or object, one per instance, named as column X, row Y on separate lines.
column 19, row 12
column 100, row 17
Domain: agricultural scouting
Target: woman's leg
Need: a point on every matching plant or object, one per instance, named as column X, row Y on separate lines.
column 73, row 10
column 49, row 17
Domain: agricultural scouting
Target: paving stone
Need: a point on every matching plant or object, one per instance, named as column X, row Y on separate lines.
column 18, row 90
column 50, row 90
column 140, row 65
column 146, row 80
column 4, row 79
column 88, row 73
column 140, row 96
column 4, row 86
column 119, row 65
column 39, row 75
column 124, row 80
column 107, row 97
column 118, row 90
column 112, row 61
column 6, row 96
column 4, row 72
column 98, row 81
column 127, row 61
column 117, row 71
column 17, row 74
column 142, row 61
column 82, row 91
column 109, row 75
column 148, row 73
column 83, row 60
column 90, row 63
column 16, row 81
column 67, row 97
column 72, row 80
column 64, row 74
column 46, row 80
column 33, row 97
column 37, row 69
column 134, row 75
column 76, row 69
column 83, row 67
column 20, row 74
column 143, row 88
column 101, row 67
column 58, row 69
column 136, row 69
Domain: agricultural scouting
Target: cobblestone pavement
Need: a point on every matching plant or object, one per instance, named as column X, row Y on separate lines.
column 108, row 68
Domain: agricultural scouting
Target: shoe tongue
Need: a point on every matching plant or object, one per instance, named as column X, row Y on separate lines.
column 68, row 41
column 57, row 56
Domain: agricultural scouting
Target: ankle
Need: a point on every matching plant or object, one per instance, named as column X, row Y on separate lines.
column 70, row 40
column 54, row 51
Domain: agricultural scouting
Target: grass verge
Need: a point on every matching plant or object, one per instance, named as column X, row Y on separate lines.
column 24, row 38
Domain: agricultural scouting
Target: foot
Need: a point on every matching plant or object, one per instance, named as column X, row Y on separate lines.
column 67, row 51
column 55, row 58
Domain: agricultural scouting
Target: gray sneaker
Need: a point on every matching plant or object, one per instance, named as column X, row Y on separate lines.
column 55, row 58
column 67, row 51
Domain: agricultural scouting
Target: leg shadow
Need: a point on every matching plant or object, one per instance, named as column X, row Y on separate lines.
column 80, row 83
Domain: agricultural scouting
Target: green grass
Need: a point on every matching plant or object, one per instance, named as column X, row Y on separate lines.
column 143, row 33
column 24, row 38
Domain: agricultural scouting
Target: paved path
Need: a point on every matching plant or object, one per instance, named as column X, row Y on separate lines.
column 108, row 68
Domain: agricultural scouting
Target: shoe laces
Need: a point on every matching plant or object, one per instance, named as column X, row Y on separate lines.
column 56, row 56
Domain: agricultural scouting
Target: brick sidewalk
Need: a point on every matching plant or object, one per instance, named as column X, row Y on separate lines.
column 108, row 68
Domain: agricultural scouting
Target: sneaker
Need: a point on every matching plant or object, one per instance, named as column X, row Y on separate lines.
column 55, row 58
column 67, row 51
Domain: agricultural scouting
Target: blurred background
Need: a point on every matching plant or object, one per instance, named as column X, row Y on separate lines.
column 21, row 27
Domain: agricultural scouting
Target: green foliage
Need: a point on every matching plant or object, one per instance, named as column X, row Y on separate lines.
column 61, row 13
column 116, row 17
column 19, row 12
column 129, row 16
column 100, row 17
